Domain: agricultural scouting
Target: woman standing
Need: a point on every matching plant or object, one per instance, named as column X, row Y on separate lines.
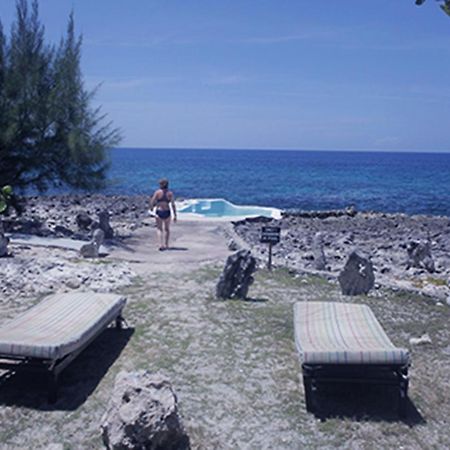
column 163, row 199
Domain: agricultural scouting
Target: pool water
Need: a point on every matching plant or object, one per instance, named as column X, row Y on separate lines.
column 223, row 208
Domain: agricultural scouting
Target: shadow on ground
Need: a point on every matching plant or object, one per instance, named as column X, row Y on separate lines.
column 77, row 382
column 374, row 403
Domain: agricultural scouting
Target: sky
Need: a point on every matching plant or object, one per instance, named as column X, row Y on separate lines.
column 292, row 74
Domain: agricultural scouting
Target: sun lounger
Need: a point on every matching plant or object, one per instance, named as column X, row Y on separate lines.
column 344, row 342
column 53, row 333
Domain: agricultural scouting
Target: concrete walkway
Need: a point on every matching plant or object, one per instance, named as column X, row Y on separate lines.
column 192, row 243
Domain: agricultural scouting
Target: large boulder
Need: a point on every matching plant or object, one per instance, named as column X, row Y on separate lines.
column 143, row 414
column 236, row 277
column 419, row 256
column 357, row 277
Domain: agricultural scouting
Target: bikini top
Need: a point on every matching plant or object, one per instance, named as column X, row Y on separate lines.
column 164, row 197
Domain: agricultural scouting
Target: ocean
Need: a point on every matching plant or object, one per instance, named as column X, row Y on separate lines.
column 413, row 183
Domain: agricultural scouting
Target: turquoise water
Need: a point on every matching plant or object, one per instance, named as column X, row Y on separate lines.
column 220, row 208
column 389, row 182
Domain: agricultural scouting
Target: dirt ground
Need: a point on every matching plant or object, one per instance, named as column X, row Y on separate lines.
column 234, row 364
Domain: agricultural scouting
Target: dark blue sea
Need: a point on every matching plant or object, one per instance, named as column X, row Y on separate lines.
column 414, row 183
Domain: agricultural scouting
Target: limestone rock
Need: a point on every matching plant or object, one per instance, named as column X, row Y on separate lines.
column 357, row 277
column 351, row 211
column 3, row 242
column 143, row 414
column 422, row 340
column 91, row 250
column 83, row 220
column 236, row 277
column 232, row 245
column 419, row 255
column 61, row 230
column 104, row 225
column 318, row 253
column 73, row 283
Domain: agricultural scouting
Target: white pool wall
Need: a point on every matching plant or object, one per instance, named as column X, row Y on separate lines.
column 230, row 211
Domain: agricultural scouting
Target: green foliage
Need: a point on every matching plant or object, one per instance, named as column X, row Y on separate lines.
column 6, row 199
column 444, row 4
column 49, row 132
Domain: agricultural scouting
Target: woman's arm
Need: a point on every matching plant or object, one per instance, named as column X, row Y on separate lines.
column 174, row 208
column 153, row 200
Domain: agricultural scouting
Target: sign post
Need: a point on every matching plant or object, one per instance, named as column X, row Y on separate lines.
column 271, row 236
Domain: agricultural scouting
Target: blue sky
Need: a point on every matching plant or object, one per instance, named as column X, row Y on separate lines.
column 300, row 74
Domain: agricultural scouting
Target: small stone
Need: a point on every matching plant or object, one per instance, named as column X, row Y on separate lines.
column 232, row 245
column 83, row 220
column 422, row 340
column 91, row 250
column 73, row 283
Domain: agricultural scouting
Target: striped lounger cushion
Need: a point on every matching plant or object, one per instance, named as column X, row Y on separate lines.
column 342, row 333
column 59, row 325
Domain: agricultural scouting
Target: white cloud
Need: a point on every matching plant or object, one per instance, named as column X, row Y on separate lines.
column 126, row 83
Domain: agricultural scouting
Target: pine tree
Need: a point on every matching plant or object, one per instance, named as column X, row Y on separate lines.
column 49, row 133
column 79, row 127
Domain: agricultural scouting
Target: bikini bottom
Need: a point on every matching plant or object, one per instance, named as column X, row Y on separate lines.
column 163, row 213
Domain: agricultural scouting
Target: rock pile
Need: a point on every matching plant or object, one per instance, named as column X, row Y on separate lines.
column 143, row 414
column 74, row 215
column 37, row 271
column 386, row 237
column 236, row 277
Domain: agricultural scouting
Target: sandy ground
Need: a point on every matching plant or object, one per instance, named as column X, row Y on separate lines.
column 233, row 364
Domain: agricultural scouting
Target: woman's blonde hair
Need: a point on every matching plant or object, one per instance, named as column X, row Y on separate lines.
column 163, row 183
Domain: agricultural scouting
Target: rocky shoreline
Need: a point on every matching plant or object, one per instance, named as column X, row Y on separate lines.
column 306, row 237
column 390, row 241
column 32, row 271
column 65, row 215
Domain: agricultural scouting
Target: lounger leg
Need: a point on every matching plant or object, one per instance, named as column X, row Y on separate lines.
column 307, row 383
column 52, row 387
column 403, row 391
column 119, row 320
column 308, row 393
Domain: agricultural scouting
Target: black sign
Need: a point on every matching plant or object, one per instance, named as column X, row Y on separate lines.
column 270, row 235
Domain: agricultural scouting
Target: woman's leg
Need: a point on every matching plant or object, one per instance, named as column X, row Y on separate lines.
column 167, row 231
column 159, row 226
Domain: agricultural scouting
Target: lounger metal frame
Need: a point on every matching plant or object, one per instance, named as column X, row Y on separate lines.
column 387, row 374
column 52, row 368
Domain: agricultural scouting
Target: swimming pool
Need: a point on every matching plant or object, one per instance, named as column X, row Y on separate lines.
column 219, row 207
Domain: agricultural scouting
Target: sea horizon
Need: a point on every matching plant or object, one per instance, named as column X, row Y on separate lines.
column 280, row 149
column 387, row 182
